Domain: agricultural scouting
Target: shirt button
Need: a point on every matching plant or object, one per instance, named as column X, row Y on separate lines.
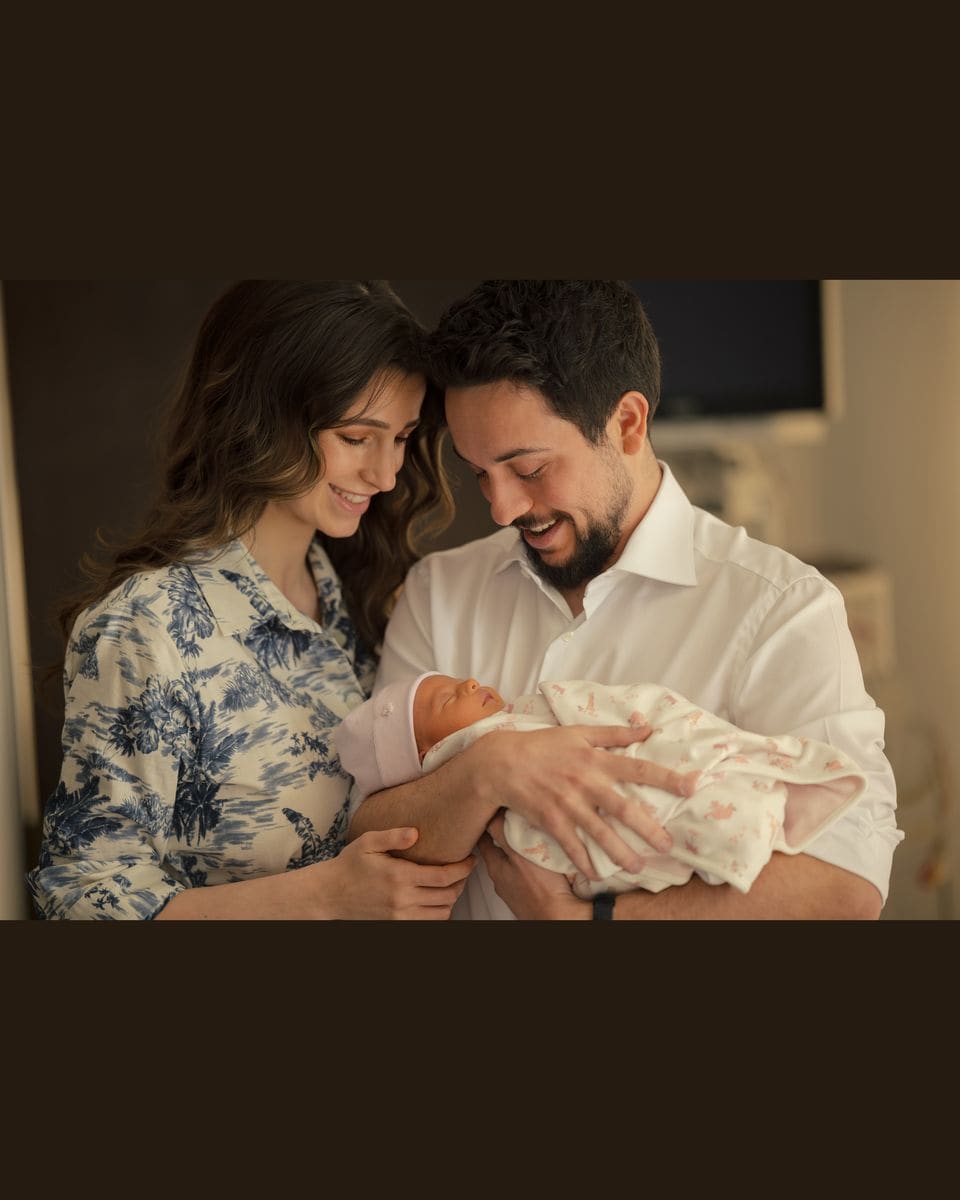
column 568, row 637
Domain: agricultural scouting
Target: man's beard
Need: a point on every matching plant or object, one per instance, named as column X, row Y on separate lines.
column 592, row 550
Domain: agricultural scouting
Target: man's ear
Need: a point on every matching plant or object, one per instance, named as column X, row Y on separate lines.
column 631, row 418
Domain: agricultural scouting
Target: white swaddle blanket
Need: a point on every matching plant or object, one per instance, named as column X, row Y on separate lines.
column 756, row 794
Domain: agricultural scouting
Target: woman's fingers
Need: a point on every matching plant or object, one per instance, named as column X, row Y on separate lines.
column 437, row 897
column 433, row 891
column 381, row 841
column 420, row 876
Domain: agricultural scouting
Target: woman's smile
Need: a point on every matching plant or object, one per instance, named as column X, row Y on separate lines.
column 356, row 503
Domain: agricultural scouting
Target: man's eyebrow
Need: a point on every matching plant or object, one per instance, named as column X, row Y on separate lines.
column 502, row 458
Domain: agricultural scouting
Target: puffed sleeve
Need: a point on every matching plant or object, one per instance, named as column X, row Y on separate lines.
column 130, row 721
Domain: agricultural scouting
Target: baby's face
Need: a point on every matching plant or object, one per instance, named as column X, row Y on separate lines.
column 443, row 705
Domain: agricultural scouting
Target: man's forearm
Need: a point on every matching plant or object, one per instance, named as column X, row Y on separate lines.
column 449, row 806
column 789, row 888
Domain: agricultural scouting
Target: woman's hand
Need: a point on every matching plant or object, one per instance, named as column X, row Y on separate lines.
column 365, row 882
column 564, row 778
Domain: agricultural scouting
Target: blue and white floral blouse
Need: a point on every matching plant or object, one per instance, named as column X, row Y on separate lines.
column 197, row 738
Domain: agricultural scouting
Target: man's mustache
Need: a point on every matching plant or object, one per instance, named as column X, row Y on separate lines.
column 536, row 522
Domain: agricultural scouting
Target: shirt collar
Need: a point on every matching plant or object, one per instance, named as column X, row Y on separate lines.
column 661, row 546
column 240, row 594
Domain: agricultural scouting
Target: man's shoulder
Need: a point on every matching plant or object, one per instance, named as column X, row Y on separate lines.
column 483, row 554
column 731, row 548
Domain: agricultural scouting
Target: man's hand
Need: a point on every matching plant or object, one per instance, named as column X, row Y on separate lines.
column 531, row 893
column 563, row 779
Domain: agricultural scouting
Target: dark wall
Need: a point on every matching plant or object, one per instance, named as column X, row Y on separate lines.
column 91, row 364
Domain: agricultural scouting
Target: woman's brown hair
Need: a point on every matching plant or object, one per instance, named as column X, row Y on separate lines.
column 275, row 362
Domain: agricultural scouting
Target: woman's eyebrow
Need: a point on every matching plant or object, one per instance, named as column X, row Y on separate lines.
column 373, row 424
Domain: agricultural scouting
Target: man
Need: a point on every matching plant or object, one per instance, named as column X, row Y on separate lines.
column 605, row 571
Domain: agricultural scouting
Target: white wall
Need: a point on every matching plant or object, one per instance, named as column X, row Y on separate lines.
column 886, row 487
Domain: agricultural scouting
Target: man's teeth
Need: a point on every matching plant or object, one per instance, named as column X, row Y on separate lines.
column 351, row 496
column 538, row 529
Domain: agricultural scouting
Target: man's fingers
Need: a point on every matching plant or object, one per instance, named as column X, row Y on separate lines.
column 627, row 857
column 606, row 736
column 571, row 844
column 489, row 851
column 578, row 855
column 495, row 828
column 642, row 770
column 680, row 783
column 575, row 850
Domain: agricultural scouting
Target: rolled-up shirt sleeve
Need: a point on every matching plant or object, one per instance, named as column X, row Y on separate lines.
column 129, row 737
column 802, row 676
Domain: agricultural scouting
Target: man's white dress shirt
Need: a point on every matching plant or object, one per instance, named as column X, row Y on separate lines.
column 741, row 628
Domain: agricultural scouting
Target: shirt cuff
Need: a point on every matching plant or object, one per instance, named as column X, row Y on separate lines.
column 861, row 845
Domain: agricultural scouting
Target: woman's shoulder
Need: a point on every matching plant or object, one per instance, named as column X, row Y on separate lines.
column 141, row 605
column 153, row 622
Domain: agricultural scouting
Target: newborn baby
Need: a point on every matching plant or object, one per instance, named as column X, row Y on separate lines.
column 756, row 794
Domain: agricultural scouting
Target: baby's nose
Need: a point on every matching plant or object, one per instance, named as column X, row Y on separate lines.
column 470, row 685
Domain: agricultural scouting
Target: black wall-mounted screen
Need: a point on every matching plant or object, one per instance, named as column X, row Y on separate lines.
column 736, row 347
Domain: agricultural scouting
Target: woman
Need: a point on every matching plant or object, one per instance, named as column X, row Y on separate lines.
column 213, row 656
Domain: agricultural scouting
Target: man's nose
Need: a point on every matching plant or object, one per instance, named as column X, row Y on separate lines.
column 508, row 500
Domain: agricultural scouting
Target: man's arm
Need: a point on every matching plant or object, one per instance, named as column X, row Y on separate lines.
column 450, row 807
column 559, row 778
column 789, row 888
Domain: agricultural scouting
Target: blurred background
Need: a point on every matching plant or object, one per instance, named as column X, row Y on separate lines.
column 823, row 415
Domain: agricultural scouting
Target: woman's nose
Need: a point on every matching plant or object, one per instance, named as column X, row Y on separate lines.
column 381, row 471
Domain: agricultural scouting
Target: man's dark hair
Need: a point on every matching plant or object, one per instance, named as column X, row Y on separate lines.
column 581, row 342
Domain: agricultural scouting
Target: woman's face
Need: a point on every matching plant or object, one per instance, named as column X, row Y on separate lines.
column 362, row 456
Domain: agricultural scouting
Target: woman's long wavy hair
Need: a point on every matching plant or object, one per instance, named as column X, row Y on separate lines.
column 275, row 362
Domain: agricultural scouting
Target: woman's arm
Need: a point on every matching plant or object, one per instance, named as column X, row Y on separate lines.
column 126, row 715
column 129, row 730
column 364, row 882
